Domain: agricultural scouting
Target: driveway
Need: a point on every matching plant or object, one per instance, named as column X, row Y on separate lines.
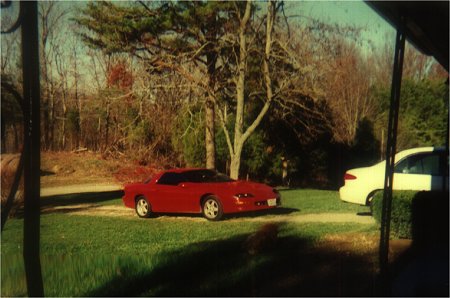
column 79, row 188
column 90, row 209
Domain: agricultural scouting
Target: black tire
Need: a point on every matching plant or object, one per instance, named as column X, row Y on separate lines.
column 142, row 207
column 212, row 208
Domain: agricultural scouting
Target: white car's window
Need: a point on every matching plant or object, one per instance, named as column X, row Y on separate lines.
column 425, row 164
column 431, row 165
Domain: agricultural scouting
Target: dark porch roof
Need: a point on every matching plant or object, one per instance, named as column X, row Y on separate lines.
column 426, row 24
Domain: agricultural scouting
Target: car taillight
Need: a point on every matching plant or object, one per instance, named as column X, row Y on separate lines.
column 348, row 176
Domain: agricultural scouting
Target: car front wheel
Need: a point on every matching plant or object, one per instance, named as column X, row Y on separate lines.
column 212, row 209
column 143, row 208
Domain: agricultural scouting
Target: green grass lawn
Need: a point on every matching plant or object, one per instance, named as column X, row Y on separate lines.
column 112, row 256
column 318, row 201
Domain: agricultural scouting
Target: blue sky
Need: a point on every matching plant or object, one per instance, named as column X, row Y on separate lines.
column 355, row 13
column 344, row 12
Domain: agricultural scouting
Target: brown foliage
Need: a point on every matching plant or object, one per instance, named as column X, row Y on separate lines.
column 135, row 173
column 9, row 163
column 119, row 76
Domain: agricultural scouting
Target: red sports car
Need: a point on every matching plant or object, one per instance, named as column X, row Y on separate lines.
column 198, row 191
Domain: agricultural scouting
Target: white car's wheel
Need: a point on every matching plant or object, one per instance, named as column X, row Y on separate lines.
column 212, row 209
column 142, row 207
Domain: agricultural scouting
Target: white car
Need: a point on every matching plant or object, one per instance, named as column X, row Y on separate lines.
column 415, row 169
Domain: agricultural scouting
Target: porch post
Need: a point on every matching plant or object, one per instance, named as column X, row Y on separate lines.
column 31, row 95
column 390, row 160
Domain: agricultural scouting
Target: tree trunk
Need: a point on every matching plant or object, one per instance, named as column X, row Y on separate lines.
column 240, row 97
column 210, row 130
column 107, row 127
column 235, row 164
column 3, row 139
column 52, row 122
column 64, row 124
column 16, row 138
column 210, row 135
column 77, row 100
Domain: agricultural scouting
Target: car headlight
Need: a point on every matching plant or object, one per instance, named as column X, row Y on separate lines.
column 243, row 195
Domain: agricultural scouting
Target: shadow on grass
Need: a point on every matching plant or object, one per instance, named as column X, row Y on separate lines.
column 286, row 266
column 80, row 198
column 79, row 208
column 423, row 269
column 48, row 203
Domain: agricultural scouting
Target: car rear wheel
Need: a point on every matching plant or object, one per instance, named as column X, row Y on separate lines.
column 212, row 209
column 143, row 208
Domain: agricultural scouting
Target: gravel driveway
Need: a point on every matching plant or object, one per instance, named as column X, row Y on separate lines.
column 79, row 188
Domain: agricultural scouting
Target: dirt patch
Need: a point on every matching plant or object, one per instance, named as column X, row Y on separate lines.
column 66, row 168
column 353, row 242
column 317, row 217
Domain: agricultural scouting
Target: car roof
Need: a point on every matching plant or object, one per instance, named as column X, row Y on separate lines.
column 183, row 170
column 408, row 152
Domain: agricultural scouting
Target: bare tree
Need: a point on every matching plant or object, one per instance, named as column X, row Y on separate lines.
column 348, row 92
column 242, row 134
column 51, row 15
column 287, row 84
column 11, row 83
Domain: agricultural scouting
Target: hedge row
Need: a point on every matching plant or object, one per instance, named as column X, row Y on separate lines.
column 416, row 215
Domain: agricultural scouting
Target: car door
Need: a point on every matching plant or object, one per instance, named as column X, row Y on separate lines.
column 420, row 171
column 167, row 193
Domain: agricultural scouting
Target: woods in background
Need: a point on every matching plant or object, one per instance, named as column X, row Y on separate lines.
column 237, row 86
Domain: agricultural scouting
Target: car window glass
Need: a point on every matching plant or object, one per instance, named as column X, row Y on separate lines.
column 430, row 165
column 198, row 176
column 206, row 176
column 402, row 166
column 415, row 164
column 426, row 164
column 171, row 179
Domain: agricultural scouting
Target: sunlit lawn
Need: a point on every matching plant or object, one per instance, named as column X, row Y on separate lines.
column 91, row 256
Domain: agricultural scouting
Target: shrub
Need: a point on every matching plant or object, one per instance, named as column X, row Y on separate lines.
column 414, row 214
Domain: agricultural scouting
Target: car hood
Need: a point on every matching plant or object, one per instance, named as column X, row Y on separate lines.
column 247, row 185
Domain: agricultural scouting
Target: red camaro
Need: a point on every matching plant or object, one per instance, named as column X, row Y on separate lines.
column 198, row 191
